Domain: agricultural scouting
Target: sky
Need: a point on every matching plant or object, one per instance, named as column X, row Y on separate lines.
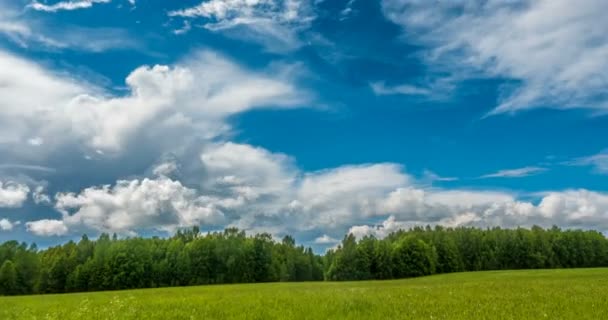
column 313, row 118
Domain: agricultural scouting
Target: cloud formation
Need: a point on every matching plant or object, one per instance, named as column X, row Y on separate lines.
column 380, row 88
column 599, row 162
column 12, row 194
column 66, row 5
column 554, row 51
column 273, row 23
column 7, row 225
column 515, row 173
column 136, row 205
column 325, row 240
column 189, row 100
column 570, row 209
column 254, row 189
column 47, row 228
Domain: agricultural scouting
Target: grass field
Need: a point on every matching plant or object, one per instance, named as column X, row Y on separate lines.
column 541, row 294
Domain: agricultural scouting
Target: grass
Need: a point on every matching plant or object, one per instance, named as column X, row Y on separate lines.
column 538, row 294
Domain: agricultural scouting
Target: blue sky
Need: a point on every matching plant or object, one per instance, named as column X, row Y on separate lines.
column 313, row 118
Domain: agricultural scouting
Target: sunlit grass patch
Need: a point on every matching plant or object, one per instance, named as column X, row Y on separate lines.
column 538, row 294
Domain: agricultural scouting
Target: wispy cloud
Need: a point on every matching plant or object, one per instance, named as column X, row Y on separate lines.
column 26, row 167
column 325, row 239
column 554, row 50
column 431, row 177
column 599, row 162
column 348, row 10
column 275, row 24
column 37, row 34
column 65, row 5
column 515, row 173
column 380, row 88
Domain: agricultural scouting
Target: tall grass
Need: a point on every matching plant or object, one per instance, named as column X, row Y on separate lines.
column 539, row 294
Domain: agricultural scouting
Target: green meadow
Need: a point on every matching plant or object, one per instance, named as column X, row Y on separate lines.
column 531, row 294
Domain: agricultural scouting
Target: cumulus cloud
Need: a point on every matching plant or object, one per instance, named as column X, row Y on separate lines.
column 12, row 194
column 553, row 50
column 247, row 170
column 244, row 186
column 255, row 189
column 515, row 173
column 7, row 225
column 47, row 227
column 272, row 23
column 131, row 205
column 65, row 5
column 190, row 100
column 333, row 198
column 570, row 209
column 165, row 169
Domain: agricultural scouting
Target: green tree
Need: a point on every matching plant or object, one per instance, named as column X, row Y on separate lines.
column 8, row 278
column 413, row 257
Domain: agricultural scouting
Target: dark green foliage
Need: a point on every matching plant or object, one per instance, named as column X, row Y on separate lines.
column 8, row 278
column 190, row 258
column 424, row 251
column 413, row 257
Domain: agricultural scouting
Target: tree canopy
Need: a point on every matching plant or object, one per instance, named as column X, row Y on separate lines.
column 231, row 256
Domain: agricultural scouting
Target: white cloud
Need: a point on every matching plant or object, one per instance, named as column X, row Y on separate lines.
column 336, row 197
column 132, row 205
column 19, row 30
column 380, row 88
column 66, row 5
column 184, row 29
column 247, row 170
column 165, row 169
column 347, row 11
column 379, row 231
column 325, row 239
column 47, row 227
column 40, row 196
column 599, row 162
column 189, row 100
column 431, row 177
column 25, row 167
column 242, row 186
column 569, row 209
column 272, row 23
column 37, row 141
column 36, row 34
column 515, row 173
column 555, row 50
column 7, row 225
column 12, row 194
column 254, row 189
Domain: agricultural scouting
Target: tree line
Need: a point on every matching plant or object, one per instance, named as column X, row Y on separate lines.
column 426, row 251
column 188, row 258
column 231, row 256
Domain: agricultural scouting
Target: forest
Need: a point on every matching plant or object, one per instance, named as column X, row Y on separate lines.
column 193, row 258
